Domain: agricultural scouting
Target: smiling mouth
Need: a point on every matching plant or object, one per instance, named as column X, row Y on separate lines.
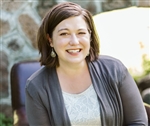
column 73, row 50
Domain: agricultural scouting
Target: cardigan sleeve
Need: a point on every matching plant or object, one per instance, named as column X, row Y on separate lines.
column 133, row 107
column 35, row 110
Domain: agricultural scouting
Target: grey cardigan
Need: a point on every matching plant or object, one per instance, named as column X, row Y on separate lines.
column 119, row 98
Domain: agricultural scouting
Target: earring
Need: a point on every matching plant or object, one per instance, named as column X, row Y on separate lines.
column 53, row 54
column 88, row 54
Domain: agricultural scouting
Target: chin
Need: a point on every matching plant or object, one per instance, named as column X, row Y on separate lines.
column 76, row 61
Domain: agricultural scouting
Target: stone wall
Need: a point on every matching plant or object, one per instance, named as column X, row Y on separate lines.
column 19, row 21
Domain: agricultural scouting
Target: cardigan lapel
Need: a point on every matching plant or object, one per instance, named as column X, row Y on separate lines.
column 109, row 104
column 96, row 84
column 57, row 105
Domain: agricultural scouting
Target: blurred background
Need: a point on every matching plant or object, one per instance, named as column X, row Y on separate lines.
column 123, row 27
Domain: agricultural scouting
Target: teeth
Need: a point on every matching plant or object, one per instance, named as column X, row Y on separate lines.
column 74, row 51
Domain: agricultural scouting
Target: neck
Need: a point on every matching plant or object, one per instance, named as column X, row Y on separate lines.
column 71, row 70
column 74, row 79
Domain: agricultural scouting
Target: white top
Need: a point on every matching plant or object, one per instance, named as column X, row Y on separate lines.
column 83, row 109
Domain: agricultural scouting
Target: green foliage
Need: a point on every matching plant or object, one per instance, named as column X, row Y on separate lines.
column 146, row 68
column 146, row 65
column 5, row 121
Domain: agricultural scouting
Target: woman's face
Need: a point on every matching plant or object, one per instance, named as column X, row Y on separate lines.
column 71, row 40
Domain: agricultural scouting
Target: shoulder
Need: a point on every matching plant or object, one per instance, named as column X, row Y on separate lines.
column 109, row 67
column 38, row 75
column 38, row 80
column 109, row 62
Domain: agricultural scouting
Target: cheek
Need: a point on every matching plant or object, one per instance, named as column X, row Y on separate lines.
column 61, row 42
column 86, row 41
column 59, row 45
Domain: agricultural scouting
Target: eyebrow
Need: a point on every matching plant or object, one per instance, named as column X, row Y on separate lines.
column 68, row 29
column 62, row 29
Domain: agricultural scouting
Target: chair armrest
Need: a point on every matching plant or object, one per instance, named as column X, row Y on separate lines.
column 147, row 107
column 19, row 117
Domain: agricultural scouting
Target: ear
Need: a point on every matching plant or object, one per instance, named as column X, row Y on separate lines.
column 50, row 40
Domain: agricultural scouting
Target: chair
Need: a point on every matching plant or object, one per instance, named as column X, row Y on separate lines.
column 20, row 72
column 147, row 107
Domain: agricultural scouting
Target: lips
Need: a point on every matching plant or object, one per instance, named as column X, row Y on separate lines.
column 73, row 50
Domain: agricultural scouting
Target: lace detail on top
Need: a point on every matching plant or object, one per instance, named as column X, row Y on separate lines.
column 83, row 109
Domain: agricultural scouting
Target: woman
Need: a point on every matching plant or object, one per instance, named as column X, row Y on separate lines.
column 76, row 86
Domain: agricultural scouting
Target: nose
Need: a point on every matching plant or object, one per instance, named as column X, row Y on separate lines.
column 74, row 40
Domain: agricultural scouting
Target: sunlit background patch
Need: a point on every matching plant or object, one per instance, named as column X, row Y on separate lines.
column 125, row 34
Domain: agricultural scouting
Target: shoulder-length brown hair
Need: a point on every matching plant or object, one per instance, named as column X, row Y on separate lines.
column 57, row 14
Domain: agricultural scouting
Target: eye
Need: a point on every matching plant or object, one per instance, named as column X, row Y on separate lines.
column 82, row 33
column 63, row 34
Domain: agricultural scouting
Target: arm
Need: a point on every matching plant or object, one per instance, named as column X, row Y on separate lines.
column 134, row 111
column 36, row 113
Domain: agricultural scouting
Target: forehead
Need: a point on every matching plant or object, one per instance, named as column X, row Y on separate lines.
column 77, row 22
